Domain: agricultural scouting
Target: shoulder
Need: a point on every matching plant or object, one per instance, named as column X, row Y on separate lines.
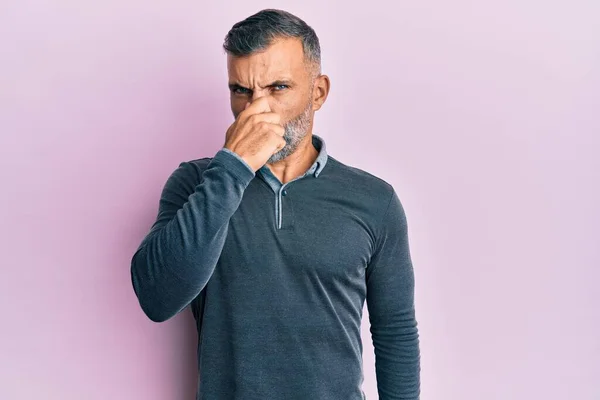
column 187, row 175
column 193, row 168
column 197, row 165
column 359, row 182
column 377, row 197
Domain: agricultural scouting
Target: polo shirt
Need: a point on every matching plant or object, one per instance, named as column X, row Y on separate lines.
column 276, row 276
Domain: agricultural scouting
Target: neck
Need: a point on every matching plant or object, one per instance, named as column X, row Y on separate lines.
column 296, row 163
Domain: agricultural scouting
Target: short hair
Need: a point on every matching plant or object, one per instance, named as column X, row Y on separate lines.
column 258, row 31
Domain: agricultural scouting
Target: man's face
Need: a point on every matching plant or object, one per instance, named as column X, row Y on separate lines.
column 279, row 72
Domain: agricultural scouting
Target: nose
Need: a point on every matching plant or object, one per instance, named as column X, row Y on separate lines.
column 257, row 94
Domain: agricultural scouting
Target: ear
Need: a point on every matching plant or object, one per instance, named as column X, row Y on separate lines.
column 320, row 91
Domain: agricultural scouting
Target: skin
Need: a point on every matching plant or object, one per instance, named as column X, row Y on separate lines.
column 294, row 90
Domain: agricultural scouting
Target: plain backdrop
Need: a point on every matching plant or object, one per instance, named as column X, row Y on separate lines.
column 484, row 116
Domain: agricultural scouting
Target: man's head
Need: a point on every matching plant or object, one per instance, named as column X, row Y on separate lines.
column 274, row 53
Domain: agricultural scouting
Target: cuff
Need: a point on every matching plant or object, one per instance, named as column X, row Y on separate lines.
column 234, row 163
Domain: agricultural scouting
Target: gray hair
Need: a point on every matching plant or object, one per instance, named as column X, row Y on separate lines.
column 258, row 31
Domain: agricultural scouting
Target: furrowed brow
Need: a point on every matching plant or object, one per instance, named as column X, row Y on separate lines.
column 288, row 82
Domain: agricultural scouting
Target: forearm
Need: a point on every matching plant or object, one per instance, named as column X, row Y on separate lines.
column 178, row 256
column 397, row 356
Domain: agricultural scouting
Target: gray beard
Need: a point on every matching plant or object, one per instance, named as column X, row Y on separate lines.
column 295, row 131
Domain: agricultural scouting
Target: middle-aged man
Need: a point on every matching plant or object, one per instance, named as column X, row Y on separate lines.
column 276, row 245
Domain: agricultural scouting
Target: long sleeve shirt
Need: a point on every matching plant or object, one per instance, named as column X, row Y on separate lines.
column 276, row 276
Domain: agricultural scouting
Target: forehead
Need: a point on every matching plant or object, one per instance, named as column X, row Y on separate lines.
column 283, row 58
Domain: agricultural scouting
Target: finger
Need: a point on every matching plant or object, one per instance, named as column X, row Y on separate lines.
column 259, row 105
column 277, row 129
column 269, row 117
column 281, row 144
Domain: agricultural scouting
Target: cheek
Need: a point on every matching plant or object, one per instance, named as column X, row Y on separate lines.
column 288, row 106
column 237, row 105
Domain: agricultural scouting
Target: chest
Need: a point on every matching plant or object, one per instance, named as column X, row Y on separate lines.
column 298, row 237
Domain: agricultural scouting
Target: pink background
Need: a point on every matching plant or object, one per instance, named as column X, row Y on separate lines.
column 485, row 118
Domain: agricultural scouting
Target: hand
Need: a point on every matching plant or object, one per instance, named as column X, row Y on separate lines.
column 256, row 134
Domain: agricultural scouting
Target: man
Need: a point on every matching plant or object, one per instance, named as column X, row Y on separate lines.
column 276, row 245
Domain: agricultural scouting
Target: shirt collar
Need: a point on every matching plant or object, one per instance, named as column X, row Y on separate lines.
column 321, row 160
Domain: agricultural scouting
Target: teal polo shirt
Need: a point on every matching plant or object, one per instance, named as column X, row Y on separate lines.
column 277, row 275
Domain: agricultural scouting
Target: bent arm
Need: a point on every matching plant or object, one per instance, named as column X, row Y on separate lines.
column 178, row 256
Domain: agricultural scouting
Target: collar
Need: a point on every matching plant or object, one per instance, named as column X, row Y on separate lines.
column 321, row 160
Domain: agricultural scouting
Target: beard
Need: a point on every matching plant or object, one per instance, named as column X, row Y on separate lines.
column 295, row 130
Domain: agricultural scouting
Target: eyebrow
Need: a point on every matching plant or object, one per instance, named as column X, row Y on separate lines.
column 278, row 82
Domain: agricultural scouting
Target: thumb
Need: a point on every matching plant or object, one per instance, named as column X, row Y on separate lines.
column 247, row 105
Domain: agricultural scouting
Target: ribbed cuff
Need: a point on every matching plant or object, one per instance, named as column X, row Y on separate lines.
column 235, row 164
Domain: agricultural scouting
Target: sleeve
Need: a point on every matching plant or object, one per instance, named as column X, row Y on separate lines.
column 390, row 303
column 236, row 155
column 177, row 257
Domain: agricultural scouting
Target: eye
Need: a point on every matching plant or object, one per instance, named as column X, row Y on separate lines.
column 240, row 90
column 279, row 88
